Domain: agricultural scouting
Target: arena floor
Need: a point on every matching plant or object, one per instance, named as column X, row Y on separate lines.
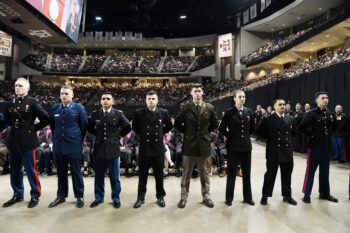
column 319, row 216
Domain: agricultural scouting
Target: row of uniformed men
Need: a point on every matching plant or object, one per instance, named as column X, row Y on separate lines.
column 196, row 120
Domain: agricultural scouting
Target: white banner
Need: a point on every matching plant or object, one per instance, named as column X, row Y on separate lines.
column 5, row 44
column 225, row 45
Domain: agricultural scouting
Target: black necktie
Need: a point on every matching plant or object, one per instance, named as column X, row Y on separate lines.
column 198, row 108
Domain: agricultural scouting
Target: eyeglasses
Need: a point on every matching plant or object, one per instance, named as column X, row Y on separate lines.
column 107, row 98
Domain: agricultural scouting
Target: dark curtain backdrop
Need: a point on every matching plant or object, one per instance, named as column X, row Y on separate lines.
column 334, row 79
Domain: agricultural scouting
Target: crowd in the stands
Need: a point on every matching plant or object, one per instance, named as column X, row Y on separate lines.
column 149, row 64
column 93, row 63
column 279, row 43
column 176, row 64
column 116, row 64
column 65, row 62
column 36, row 61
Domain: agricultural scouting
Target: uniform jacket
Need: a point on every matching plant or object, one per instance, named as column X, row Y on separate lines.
column 196, row 128
column 68, row 126
column 278, row 134
column 237, row 129
column 108, row 129
column 20, row 115
column 318, row 125
column 343, row 123
column 151, row 128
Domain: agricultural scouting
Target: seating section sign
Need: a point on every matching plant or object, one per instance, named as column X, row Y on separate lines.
column 5, row 44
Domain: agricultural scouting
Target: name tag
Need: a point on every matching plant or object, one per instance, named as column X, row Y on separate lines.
column 57, row 115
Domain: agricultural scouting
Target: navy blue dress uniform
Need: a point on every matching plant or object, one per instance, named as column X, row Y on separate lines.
column 68, row 126
column 151, row 126
column 278, row 132
column 318, row 125
column 236, row 126
column 20, row 115
column 108, row 127
column 339, row 137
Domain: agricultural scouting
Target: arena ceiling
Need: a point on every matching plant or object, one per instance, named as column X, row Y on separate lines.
column 162, row 17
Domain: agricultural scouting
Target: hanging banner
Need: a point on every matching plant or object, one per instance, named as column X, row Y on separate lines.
column 225, row 45
column 5, row 44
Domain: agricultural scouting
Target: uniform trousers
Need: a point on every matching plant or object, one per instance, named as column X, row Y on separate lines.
column 157, row 164
column 74, row 162
column 101, row 166
column 286, row 169
column 233, row 159
column 28, row 161
column 315, row 158
column 188, row 163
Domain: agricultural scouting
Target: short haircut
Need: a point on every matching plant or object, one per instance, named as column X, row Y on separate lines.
column 106, row 93
column 317, row 94
column 21, row 79
column 151, row 92
column 196, row 85
column 236, row 92
column 67, row 87
column 275, row 100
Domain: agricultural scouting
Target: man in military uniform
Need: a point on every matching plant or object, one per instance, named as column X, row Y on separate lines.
column 318, row 126
column 196, row 120
column 237, row 125
column 339, row 137
column 68, row 125
column 151, row 123
column 107, row 124
column 277, row 129
column 20, row 115
column 298, row 138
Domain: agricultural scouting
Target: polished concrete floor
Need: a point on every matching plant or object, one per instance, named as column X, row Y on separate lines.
column 319, row 216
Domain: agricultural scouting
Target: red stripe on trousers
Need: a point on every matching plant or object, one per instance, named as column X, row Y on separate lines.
column 307, row 169
column 344, row 150
column 36, row 172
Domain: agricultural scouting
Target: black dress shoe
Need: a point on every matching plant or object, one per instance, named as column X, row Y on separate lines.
column 56, row 202
column 95, row 203
column 161, row 202
column 182, row 203
column 33, row 202
column 289, row 200
column 116, row 204
column 228, row 203
column 250, row 202
column 263, row 201
column 209, row 203
column 307, row 200
column 12, row 201
column 138, row 203
column 80, row 202
column 328, row 198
